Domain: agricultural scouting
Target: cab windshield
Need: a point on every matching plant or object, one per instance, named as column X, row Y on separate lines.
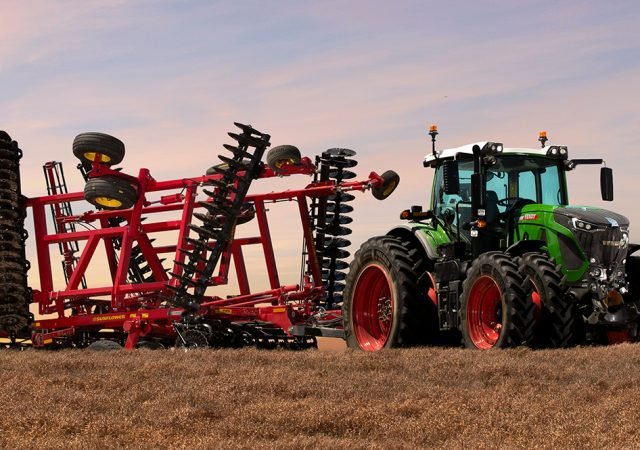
column 537, row 179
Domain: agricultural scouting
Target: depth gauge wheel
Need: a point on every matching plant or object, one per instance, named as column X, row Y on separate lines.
column 109, row 192
column 556, row 324
column 380, row 295
column 496, row 310
column 283, row 155
column 390, row 183
column 88, row 147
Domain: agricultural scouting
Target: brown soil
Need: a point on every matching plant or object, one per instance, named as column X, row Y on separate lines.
column 579, row 398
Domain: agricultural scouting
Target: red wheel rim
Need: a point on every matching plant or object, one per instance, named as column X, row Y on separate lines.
column 484, row 313
column 372, row 308
column 537, row 301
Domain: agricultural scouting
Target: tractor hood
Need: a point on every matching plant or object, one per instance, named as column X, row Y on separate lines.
column 574, row 216
column 603, row 236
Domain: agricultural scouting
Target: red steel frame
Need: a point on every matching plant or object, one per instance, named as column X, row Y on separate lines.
column 137, row 309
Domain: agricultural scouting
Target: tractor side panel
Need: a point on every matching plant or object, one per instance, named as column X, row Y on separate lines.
column 537, row 222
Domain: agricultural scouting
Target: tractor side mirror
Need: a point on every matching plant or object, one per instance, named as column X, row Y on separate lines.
column 606, row 183
column 450, row 177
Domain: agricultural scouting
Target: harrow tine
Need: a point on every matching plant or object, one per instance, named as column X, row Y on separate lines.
column 244, row 139
column 239, row 165
column 250, row 130
column 237, row 151
column 204, row 246
column 204, row 232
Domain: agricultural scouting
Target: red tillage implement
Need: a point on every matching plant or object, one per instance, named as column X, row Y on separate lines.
column 157, row 295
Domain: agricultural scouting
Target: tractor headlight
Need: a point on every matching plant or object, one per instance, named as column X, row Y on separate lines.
column 584, row 226
column 491, row 148
column 558, row 151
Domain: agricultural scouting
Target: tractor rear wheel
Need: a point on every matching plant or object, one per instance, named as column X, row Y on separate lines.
column 555, row 315
column 109, row 192
column 380, row 296
column 496, row 311
column 89, row 147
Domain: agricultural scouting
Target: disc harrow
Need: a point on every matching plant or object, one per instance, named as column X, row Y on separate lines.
column 331, row 220
column 15, row 294
column 217, row 226
column 137, row 222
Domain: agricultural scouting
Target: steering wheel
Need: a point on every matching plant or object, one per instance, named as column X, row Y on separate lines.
column 513, row 203
column 507, row 201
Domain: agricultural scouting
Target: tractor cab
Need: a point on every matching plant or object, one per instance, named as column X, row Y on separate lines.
column 509, row 182
column 483, row 192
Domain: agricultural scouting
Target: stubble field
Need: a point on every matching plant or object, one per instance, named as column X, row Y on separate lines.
column 454, row 398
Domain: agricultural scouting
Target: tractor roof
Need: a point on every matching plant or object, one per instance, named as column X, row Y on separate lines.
column 451, row 153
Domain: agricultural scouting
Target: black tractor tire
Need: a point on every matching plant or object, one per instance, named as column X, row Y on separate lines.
column 391, row 181
column 110, row 192
column 283, row 155
column 496, row 309
column 87, row 145
column 632, row 269
column 424, row 321
column 556, row 317
column 380, row 297
column 104, row 345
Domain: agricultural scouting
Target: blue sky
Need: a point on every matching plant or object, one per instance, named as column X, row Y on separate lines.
column 169, row 78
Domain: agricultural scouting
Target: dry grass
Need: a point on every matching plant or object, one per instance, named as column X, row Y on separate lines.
column 580, row 398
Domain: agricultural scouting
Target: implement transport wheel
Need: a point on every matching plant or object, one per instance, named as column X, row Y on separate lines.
column 390, row 183
column 105, row 149
column 380, row 296
column 109, row 192
column 283, row 155
column 496, row 308
column 556, row 324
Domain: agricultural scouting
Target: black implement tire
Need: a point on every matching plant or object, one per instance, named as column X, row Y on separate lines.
column 556, row 324
column 104, row 345
column 283, row 155
column 496, row 309
column 391, row 181
column 380, row 296
column 87, row 145
column 109, row 192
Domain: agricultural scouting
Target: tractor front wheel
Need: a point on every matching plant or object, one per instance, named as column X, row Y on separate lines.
column 556, row 324
column 496, row 310
column 380, row 295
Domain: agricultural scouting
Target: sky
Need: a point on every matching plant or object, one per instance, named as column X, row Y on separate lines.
column 170, row 77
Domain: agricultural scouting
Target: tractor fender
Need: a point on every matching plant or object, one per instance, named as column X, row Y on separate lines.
column 417, row 237
column 528, row 245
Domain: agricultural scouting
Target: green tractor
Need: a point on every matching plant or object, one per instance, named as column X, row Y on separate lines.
column 499, row 260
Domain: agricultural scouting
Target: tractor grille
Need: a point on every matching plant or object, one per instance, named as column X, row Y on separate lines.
column 603, row 245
